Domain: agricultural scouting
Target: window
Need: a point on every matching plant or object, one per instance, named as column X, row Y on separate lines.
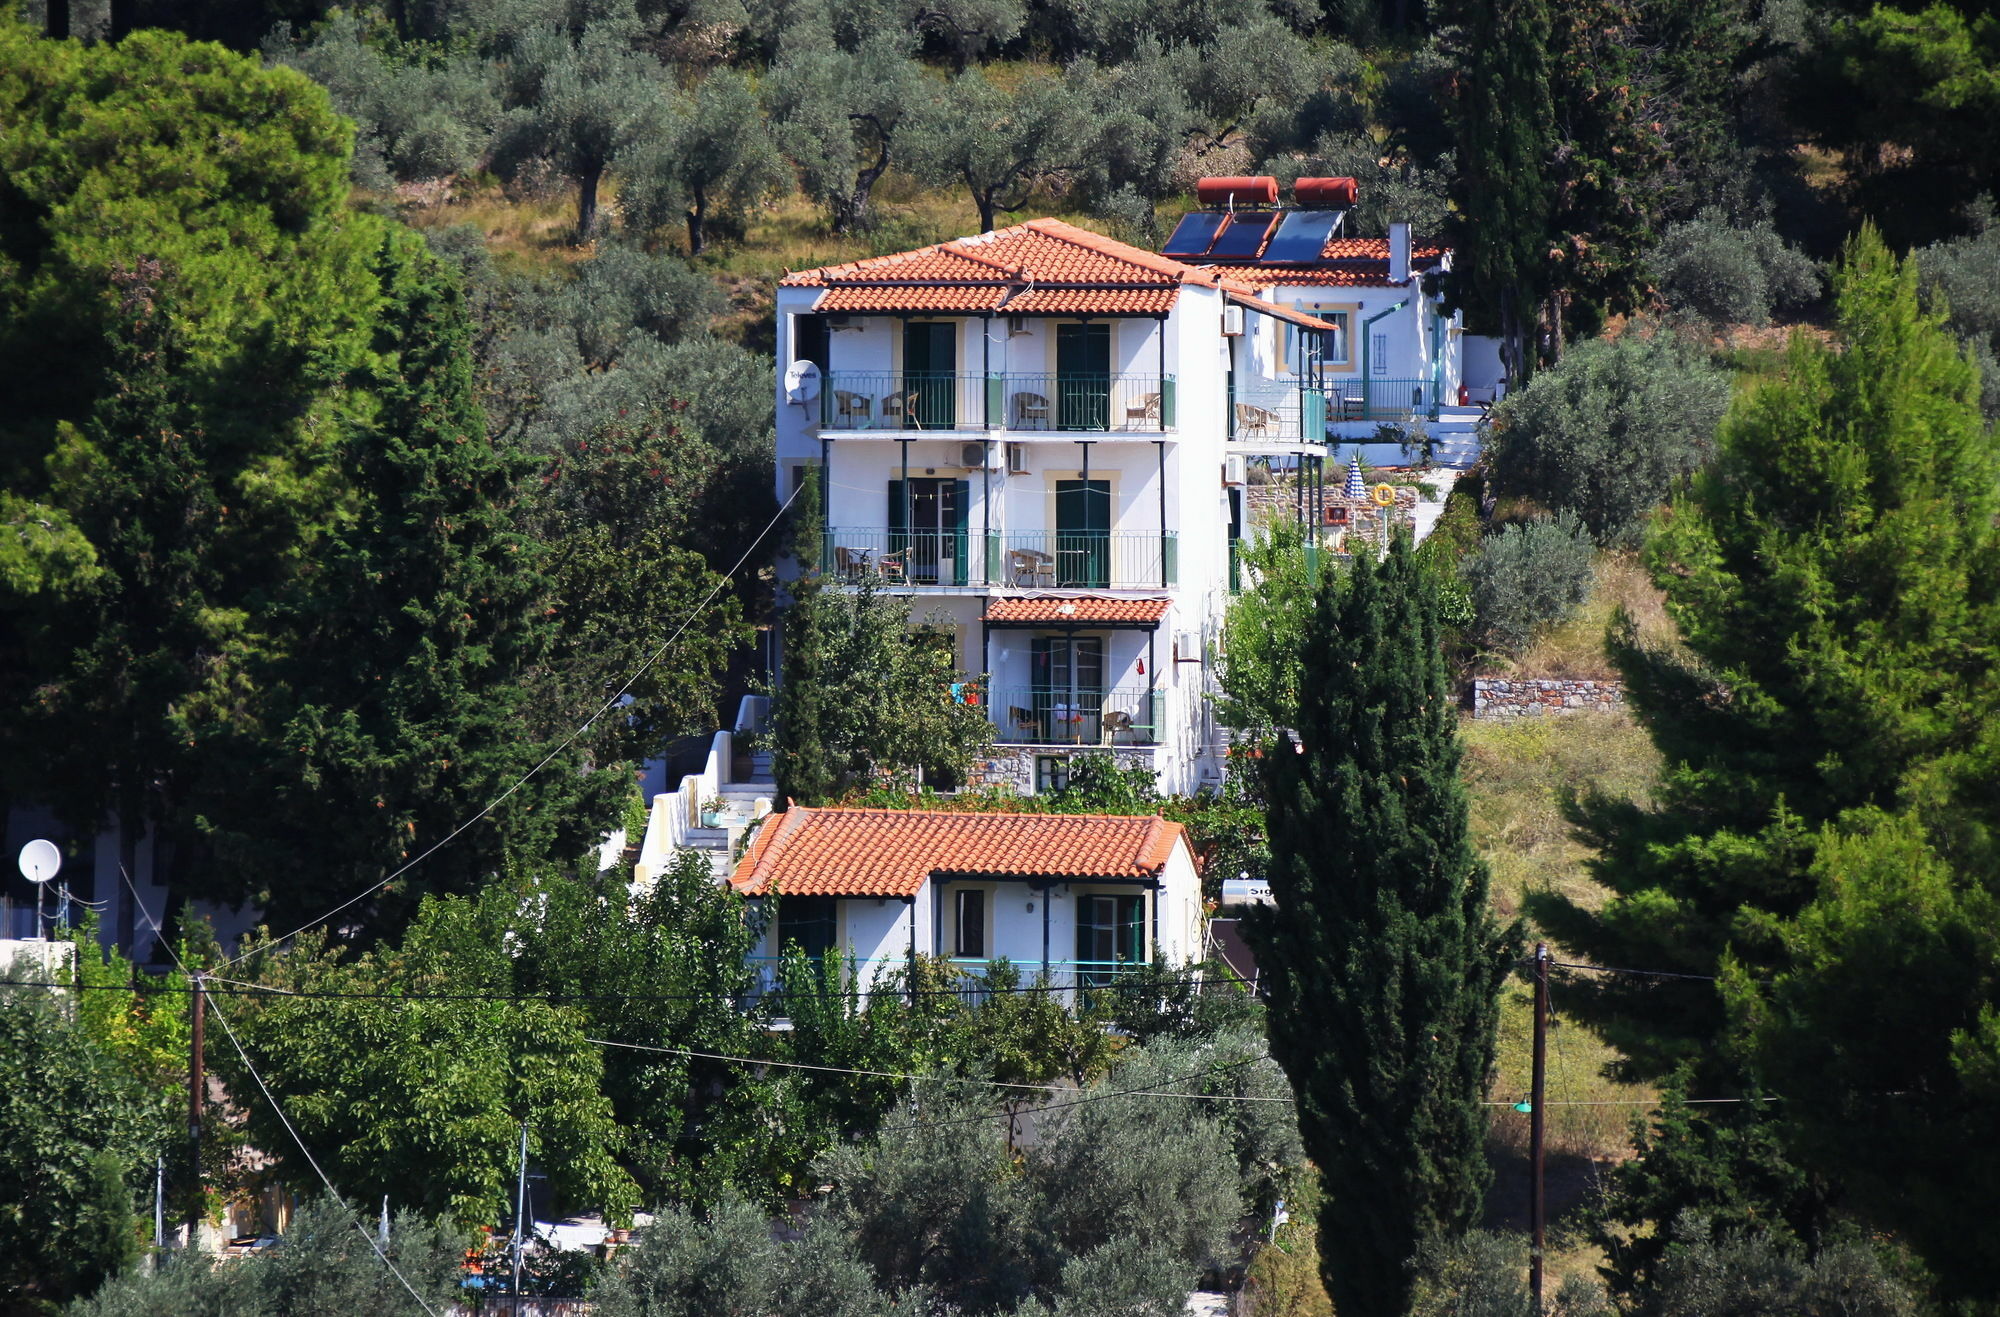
column 1051, row 774
column 1110, row 933
column 809, row 340
column 972, row 924
column 808, row 921
column 1338, row 350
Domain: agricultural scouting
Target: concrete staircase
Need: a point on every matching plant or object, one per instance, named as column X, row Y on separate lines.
column 1456, row 436
column 679, row 819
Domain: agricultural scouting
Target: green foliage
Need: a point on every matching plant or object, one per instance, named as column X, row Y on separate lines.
column 1263, row 674
column 42, row 551
column 1728, row 273
column 1382, row 963
column 326, row 1261
column 1964, row 275
column 728, row 1262
column 78, row 1130
column 866, row 695
column 1759, row 1276
column 1833, row 572
column 837, row 115
column 1611, row 431
column 714, row 161
column 1000, row 144
column 1528, row 577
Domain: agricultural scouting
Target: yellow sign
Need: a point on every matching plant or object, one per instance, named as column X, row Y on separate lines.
column 1384, row 495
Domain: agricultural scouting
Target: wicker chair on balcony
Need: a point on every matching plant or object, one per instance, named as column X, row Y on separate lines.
column 1253, row 421
column 894, row 566
column 851, row 410
column 1114, row 722
column 1025, row 722
column 899, row 411
column 1031, row 411
column 1030, row 567
column 1146, row 409
column 849, row 564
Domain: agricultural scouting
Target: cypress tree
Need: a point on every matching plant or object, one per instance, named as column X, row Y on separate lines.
column 1382, row 961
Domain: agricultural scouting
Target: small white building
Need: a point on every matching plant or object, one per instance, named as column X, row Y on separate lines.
column 1078, row 898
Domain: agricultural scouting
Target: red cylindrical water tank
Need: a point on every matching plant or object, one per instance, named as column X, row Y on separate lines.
column 1324, row 193
column 1260, row 190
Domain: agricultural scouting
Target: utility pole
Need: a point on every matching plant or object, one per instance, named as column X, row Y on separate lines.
column 197, row 1082
column 1537, row 1199
column 520, row 1209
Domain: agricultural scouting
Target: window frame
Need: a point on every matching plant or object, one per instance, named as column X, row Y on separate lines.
column 975, row 898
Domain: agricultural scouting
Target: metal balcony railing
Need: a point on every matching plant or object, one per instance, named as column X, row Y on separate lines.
column 893, row 400
column 1277, row 414
column 1020, row 560
column 1379, row 399
column 1069, row 715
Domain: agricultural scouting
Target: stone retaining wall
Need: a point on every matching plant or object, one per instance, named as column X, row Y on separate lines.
column 1492, row 697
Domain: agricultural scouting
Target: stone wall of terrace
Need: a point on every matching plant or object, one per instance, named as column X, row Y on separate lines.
column 1495, row 697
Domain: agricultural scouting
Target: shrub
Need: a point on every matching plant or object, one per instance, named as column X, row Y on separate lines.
column 1609, row 431
column 1729, row 273
column 1965, row 275
column 1528, row 577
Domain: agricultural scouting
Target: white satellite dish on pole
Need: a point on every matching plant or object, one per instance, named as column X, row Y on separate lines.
column 40, row 861
column 802, row 382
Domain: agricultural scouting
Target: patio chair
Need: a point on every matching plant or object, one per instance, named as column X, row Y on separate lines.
column 1024, row 720
column 1030, row 567
column 1031, row 411
column 900, row 409
column 894, row 566
column 1253, row 420
column 851, row 410
column 849, row 564
column 1114, row 722
column 1146, row 409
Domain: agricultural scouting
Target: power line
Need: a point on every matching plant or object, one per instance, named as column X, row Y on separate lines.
column 1639, row 973
column 923, row 1079
column 196, row 983
column 1084, row 1101
column 243, row 988
column 610, row 703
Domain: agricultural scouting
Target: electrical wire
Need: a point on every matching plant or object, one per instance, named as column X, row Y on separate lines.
column 244, row 988
column 612, row 702
column 924, row 1079
column 196, row 982
column 1084, row 1101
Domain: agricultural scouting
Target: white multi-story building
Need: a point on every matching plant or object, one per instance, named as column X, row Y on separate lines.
column 1046, row 436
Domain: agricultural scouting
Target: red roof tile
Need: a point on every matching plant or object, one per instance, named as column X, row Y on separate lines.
column 1056, row 611
column 890, row 852
column 1350, row 262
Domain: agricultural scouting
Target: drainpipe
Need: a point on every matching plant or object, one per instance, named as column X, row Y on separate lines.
column 1048, row 890
column 911, row 902
column 825, row 499
column 1367, row 402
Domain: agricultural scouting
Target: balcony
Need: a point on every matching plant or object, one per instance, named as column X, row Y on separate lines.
column 1281, row 414
column 1379, row 399
column 1042, row 715
column 1014, row 560
column 1084, row 404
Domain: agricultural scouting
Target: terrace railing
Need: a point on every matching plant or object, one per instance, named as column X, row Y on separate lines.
column 1050, row 715
column 1021, row 560
column 893, row 400
column 1379, row 399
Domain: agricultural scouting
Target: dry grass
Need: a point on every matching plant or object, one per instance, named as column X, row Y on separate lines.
column 1575, row 650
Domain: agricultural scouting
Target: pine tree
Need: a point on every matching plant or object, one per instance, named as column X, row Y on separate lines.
column 1382, row 961
column 1836, row 579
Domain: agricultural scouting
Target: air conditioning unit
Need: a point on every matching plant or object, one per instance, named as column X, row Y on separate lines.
column 1232, row 320
column 1016, row 325
column 841, row 322
column 1188, row 647
column 1017, row 459
column 972, row 455
column 1233, row 469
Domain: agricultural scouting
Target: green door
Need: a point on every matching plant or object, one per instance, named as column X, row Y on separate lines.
column 1083, row 534
column 1083, row 377
column 928, row 396
column 1068, row 694
column 1110, row 935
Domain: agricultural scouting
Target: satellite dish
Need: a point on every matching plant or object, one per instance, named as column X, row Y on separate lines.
column 40, row 860
column 801, row 382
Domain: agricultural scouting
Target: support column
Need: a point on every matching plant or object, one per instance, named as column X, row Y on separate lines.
column 1160, row 449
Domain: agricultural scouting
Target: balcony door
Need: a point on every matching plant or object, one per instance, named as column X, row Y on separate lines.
column 1110, row 932
column 929, row 398
column 928, row 520
column 1083, row 377
column 1083, row 534
column 1069, row 687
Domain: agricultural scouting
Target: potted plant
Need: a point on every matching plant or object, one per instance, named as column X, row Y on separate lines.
column 711, row 812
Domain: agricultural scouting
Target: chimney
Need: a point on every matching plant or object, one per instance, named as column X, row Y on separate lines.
column 1399, row 253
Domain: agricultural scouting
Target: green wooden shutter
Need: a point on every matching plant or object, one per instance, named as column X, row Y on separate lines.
column 961, row 566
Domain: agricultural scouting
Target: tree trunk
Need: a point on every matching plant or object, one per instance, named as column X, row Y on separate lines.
column 696, row 214
column 1552, row 327
column 57, row 20
column 854, row 215
column 586, row 202
column 984, row 200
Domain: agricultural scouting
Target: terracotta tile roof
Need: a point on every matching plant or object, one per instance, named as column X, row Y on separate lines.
column 890, row 852
column 1049, row 610
column 1282, row 312
column 1042, row 267
column 1348, row 262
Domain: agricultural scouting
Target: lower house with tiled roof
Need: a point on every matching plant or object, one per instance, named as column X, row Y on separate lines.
column 1081, row 899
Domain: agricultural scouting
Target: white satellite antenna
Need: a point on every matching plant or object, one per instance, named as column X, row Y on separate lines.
column 802, row 379
column 40, row 861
